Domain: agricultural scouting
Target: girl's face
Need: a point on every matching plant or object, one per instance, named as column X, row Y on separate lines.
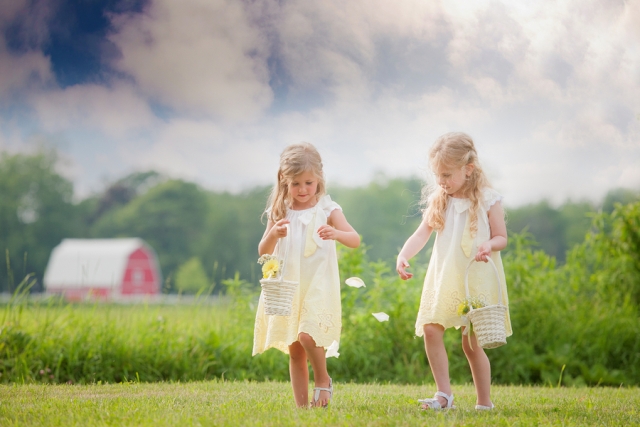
column 302, row 189
column 452, row 179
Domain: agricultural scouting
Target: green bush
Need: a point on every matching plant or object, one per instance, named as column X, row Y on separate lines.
column 573, row 324
column 191, row 277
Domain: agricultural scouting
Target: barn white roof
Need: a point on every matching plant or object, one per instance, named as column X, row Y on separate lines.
column 77, row 263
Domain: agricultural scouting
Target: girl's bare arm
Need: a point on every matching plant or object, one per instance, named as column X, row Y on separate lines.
column 498, row 240
column 412, row 246
column 338, row 228
column 272, row 233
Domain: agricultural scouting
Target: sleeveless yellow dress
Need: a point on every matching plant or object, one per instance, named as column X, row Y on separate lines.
column 313, row 263
column 453, row 249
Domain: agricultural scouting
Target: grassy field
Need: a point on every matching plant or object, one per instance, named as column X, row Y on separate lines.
column 224, row 403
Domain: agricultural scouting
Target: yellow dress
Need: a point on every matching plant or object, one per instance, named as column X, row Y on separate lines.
column 453, row 249
column 314, row 264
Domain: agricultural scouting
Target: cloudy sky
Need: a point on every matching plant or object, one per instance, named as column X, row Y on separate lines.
column 212, row 90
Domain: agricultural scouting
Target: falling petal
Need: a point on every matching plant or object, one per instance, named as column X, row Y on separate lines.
column 354, row 282
column 332, row 350
column 382, row 317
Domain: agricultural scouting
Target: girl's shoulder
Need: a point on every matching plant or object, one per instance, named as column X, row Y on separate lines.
column 328, row 205
column 490, row 197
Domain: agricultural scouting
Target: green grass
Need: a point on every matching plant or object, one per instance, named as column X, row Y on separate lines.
column 224, row 403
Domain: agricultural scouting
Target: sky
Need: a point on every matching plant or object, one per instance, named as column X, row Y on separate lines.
column 211, row 91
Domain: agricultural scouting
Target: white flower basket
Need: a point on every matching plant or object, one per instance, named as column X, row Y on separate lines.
column 278, row 296
column 278, row 293
column 488, row 322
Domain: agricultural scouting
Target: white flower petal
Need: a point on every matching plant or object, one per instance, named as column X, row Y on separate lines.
column 382, row 317
column 354, row 282
column 332, row 350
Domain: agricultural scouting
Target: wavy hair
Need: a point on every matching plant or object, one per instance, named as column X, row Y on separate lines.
column 453, row 150
column 294, row 160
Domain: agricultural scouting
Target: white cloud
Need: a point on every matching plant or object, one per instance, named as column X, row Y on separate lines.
column 18, row 72
column 26, row 69
column 28, row 19
column 548, row 91
column 331, row 46
column 115, row 112
column 231, row 158
column 200, row 57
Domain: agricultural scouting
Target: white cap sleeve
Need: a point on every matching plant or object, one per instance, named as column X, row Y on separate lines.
column 328, row 205
column 490, row 197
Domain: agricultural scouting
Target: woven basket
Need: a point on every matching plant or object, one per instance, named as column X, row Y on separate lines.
column 488, row 322
column 278, row 296
column 278, row 293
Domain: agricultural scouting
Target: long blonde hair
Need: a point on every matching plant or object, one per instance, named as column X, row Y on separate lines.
column 453, row 150
column 294, row 160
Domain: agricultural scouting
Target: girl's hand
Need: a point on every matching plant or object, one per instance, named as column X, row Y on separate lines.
column 338, row 228
column 401, row 265
column 327, row 232
column 484, row 251
column 279, row 229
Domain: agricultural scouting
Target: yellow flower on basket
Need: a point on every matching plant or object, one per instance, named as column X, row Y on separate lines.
column 270, row 268
column 468, row 303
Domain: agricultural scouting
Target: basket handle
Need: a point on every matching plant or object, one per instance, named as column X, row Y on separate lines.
column 283, row 241
column 495, row 269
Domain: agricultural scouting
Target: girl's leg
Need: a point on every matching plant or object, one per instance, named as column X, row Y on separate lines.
column 438, row 361
column 480, row 369
column 318, row 364
column 299, row 372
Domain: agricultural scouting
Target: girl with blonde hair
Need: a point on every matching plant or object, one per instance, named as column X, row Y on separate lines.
column 468, row 218
column 306, row 220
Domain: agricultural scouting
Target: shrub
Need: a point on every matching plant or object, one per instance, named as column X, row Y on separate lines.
column 574, row 324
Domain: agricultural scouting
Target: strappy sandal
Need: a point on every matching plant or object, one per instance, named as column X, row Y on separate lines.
column 434, row 403
column 485, row 408
column 317, row 390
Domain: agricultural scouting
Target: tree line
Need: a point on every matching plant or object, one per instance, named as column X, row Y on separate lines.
column 203, row 237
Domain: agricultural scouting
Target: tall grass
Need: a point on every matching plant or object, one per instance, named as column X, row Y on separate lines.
column 85, row 343
column 573, row 325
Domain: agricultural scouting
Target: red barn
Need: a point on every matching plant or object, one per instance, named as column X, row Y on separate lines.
column 103, row 268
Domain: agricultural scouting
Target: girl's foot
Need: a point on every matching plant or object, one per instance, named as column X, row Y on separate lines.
column 322, row 395
column 484, row 408
column 439, row 401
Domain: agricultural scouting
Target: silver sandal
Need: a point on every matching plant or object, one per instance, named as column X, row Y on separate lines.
column 485, row 408
column 434, row 403
column 317, row 390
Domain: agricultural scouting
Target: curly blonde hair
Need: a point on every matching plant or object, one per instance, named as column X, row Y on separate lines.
column 294, row 160
column 453, row 150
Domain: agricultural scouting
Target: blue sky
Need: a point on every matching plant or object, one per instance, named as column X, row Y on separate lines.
column 212, row 90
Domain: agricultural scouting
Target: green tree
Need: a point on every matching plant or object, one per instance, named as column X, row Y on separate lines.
column 619, row 195
column 576, row 217
column 233, row 231
column 556, row 230
column 385, row 213
column 610, row 255
column 170, row 217
column 36, row 213
column 191, row 277
column 117, row 195
column 544, row 222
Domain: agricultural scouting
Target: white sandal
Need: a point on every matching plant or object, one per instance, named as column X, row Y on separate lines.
column 434, row 403
column 317, row 390
column 485, row 408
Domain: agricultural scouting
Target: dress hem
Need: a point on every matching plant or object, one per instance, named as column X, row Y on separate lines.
column 420, row 331
column 277, row 346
